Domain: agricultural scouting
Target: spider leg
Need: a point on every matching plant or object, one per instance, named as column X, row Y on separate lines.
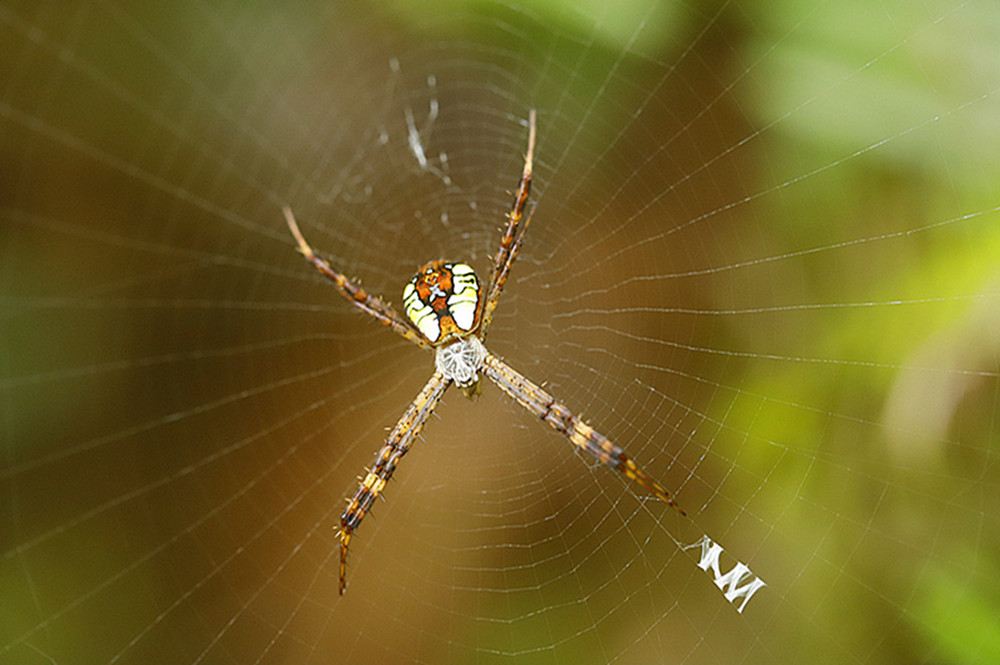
column 536, row 400
column 358, row 297
column 396, row 445
column 511, row 240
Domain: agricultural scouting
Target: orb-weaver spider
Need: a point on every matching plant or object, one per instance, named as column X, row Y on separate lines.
column 447, row 313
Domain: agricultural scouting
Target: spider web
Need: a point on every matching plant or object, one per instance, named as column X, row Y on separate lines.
column 764, row 261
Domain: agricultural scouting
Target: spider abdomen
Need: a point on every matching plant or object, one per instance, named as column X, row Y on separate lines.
column 442, row 301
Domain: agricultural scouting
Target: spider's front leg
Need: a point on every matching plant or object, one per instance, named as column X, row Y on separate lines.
column 399, row 441
column 536, row 400
column 358, row 297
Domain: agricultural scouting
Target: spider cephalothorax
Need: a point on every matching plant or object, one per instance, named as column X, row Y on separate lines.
column 448, row 315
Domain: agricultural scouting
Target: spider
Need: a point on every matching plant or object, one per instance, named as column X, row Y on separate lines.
column 448, row 314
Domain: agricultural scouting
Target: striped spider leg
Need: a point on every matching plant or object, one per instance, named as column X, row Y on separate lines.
column 402, row 435
column 526, row 393
column 539, row 402
column 447, row 313
column 407, row 428
column 358, row 297
column 510, row 243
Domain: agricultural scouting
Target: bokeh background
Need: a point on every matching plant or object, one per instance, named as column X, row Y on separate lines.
column 765, row 260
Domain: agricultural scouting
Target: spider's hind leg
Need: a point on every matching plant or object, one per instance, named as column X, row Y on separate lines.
column 511, row 240
column 367, row 303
